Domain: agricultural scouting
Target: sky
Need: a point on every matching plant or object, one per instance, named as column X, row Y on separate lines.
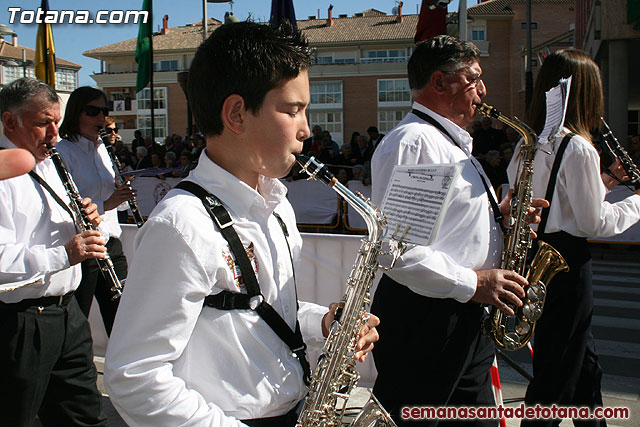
column 71, row 40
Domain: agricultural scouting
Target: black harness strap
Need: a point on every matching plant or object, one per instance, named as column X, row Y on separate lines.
column 497, row 215
column 551, row 186
column 253, row 299
column 46, row 186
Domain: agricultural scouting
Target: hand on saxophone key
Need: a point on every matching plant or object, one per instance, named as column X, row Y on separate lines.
column 500, row 288
column 367, row 336
column 534, row 215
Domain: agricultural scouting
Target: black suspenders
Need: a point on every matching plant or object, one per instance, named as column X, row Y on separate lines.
column 253, row 299
column 553, row 175
column 497, row 215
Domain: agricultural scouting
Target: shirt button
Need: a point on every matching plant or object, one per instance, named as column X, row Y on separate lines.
column 286, row 308
column 279, row 264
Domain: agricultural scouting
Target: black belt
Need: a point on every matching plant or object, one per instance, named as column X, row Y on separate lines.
column 59, row 301
column 286, row 420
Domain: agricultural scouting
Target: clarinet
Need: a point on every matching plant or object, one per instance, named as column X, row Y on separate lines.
column 115, row 162
column 83, row 223
column 616, row 151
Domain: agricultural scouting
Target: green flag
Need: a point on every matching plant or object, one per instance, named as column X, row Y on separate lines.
column 144, row 51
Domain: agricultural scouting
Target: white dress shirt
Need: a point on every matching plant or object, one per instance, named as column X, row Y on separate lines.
column 578, row 206
column 33, row 231
column 172, row 362
column 469, row 238
column 90, row 166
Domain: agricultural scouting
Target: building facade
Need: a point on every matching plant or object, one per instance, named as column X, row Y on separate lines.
column 17, row 61
column 609, row 30
column 359, row 75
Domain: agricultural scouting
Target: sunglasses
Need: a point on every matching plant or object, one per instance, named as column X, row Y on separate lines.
column 111, row 130
column 93, row 111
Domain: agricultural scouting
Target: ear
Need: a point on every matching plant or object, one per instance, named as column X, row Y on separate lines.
column 10, row 121
column 233, row 113
column 437, row 81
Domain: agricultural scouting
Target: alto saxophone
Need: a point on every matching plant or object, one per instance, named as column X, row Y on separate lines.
column 336, row 375
column 82, row 222
column 514, row 332
column 115, row 162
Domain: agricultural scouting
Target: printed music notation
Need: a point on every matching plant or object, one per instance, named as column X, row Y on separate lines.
column 416, row 197
column 556, row 100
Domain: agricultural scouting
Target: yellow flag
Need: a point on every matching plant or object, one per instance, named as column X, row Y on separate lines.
column 45, row 60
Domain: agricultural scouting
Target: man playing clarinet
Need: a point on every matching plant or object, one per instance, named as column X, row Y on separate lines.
column 46, row 359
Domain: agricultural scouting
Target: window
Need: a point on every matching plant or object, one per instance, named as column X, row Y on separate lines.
column 66, row 80
column 12, row 73
column 326, row 93
column 478, row 34
column 168, row 65
column 159, row 101
column 392, row 92
column 159, row 113
column 388, row 119
column 390, row 55
column 144, row 124
column 323, row 60
column 330, row 121
column 534, row 26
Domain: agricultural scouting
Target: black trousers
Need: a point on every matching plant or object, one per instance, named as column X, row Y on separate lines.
column 93, row 282
column 565, row 363
column 46, row 368
column 430, row 353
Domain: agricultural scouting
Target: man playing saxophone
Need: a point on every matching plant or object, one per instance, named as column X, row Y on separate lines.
column 210, row 355
column 46, row 357
column 434, row 294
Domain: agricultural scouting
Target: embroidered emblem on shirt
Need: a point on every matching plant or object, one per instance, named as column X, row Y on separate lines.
column 235, row 268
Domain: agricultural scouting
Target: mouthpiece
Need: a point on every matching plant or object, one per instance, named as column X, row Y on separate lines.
column 487, row 110
column 316, row 170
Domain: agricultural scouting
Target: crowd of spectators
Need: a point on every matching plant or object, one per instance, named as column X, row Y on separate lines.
column 174, row 152
column 351, row 161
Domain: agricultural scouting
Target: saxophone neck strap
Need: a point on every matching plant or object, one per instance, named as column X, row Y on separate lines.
column 497, row 215
column 553, row 175
column 53, row 194
column 253, row 299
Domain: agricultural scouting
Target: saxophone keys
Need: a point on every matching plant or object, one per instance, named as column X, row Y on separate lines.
column 522, row 327
column 531, row 311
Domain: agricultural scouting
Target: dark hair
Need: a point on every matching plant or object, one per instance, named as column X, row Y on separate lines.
column 19, row 93
column 79, row 98
column 439, row 53
column 585, row 104
column 244, row 58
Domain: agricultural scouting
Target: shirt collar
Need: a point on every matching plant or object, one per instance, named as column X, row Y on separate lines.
column 462, row 136
column 87, row 145
column 235, row 194
column 6, row 142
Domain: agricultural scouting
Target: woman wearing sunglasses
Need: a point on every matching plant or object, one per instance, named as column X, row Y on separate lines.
column 90, row 166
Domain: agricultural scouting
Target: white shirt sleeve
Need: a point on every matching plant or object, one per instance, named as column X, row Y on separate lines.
column 425, row 271
column 160, row 307
column 23, row 260
column 579, row 177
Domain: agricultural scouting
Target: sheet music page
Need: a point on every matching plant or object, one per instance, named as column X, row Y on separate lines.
column 557, row 99
column 417, row 197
